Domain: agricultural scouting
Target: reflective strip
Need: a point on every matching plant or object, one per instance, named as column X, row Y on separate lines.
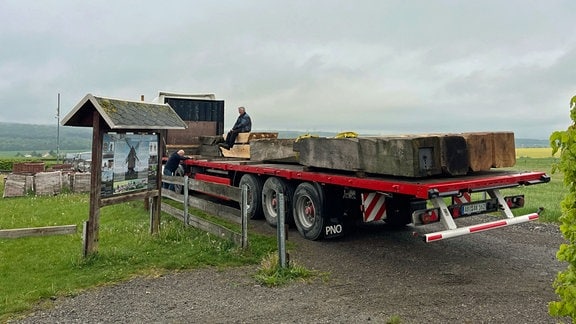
column 373, row 207
column 437, row 236
column 461, row 199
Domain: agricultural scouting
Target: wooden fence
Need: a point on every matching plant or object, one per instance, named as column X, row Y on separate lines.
column 225, row 212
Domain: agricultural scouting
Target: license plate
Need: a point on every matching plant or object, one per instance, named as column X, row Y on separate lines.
column 474, row 208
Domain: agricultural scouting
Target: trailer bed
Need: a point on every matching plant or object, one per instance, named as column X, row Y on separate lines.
column 424, row 188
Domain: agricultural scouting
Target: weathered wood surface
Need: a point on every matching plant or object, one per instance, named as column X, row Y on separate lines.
column 209, row 150
column 128, row 197
column 189, row 149
column 454, row 155
column 410, row 155
column 81, row 182
column 38, row 231
column 16, row 185
column 204, row 225
column 480, row 147
column 273, row 150
column 211, row 140
column 490, row 150
column 216, row 189
column 329, row 153
column 504, row 149
column 244, row 138
column 48, row 183
column 241, row 151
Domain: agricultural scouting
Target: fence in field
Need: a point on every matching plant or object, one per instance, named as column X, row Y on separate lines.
column 228, row 213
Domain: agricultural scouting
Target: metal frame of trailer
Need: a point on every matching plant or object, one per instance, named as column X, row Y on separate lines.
column 424, row 191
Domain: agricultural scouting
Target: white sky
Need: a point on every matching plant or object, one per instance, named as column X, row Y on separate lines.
column 373, row 67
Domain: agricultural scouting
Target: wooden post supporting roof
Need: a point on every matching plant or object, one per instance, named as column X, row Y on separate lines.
column 121, row 117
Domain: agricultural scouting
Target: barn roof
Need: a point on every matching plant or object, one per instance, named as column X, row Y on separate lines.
column 123, row 114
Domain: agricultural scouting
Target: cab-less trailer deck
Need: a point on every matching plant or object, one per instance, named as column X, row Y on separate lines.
column 322, row 203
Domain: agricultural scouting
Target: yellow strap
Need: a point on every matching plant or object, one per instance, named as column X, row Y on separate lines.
column 305, row 136
column 346, row 135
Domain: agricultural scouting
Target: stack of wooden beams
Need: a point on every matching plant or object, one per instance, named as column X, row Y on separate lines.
column 410, row 155
column 242, row 145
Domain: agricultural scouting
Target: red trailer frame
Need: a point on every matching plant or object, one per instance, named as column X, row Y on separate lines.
column 318, row 201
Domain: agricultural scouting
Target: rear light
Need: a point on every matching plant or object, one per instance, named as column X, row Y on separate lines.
column 429, row 216
column 454, row 211
column 515, row 201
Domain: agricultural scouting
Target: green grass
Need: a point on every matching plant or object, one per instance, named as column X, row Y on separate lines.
column 547, row 196
column 41, row 268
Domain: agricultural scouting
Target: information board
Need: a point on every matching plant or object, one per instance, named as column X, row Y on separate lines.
column 129, row 163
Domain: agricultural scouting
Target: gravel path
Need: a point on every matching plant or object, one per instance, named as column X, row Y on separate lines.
column 375, row 273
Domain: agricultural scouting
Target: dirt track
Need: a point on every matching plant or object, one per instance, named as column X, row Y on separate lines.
column 500, row 276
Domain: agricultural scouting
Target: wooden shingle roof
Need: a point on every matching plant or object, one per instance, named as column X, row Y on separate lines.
column 122, row 114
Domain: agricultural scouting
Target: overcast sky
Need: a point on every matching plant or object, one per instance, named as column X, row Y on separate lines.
column 373, row 67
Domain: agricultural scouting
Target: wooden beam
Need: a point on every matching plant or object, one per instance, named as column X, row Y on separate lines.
column 93, row 224
column 204, row 225
column 38, row 231
column 128, row 197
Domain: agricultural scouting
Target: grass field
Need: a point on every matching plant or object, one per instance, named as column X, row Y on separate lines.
column 534, row 152
column 36, row 269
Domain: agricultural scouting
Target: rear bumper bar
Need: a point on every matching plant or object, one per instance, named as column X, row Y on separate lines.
column 437, row 236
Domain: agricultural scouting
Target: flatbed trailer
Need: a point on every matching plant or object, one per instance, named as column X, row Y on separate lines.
column 324, row 203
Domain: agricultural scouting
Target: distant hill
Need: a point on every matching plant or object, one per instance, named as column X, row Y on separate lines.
column 523, row 142
column 29, row 137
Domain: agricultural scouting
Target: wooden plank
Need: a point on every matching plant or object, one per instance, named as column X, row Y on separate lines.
column 38, row 231
column 209, row 150
column 15, row 185
column 329, row 153
column 480, row 147
column 244, row 138
column 128, row 197
column 454, row 155
column 211, row 140
column 273, row 150
column 204, row 225
column 241, row 151
column 228, row 213
column 503, row 150
column 406, row 155
column 220, row 190
column 189, row 149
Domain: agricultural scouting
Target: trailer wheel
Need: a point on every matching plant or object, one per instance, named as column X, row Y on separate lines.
column 254, row 184
column 308, row 210
column 270, row 199
column 178, row 188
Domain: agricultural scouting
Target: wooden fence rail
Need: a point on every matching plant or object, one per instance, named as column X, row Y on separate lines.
column 225, row 212
column 38, row 231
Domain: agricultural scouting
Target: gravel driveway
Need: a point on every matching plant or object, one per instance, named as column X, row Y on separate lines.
column 499, row 276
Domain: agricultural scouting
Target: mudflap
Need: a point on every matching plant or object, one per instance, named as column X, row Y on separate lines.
column 334, row 227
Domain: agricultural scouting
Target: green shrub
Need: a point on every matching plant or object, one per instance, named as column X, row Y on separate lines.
column 565, row 283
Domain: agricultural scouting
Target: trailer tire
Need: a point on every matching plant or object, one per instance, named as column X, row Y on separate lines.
column 308, row 210
column 254, row 184
column 179, row 189
column 272, row 187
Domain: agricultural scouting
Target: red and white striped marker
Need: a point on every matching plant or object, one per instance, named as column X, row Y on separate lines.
column 373, row 206
column 437, row 236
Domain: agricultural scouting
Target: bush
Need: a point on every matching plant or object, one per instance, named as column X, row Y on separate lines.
column 565, row 283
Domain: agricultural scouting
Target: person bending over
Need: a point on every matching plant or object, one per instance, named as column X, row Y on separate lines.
column 171, row 166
